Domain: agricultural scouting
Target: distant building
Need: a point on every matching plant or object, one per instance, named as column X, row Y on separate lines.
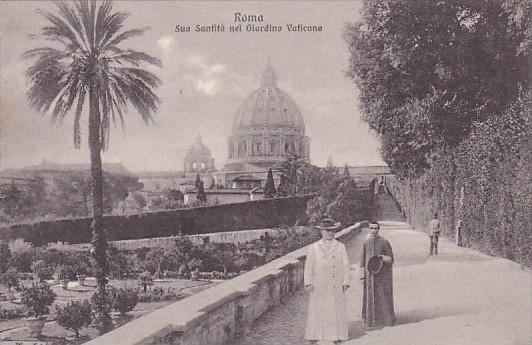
column 268, row 126
column 226, row 196
column 198, row 158
column 52, row 167
column 48, row 171
column 365, row 174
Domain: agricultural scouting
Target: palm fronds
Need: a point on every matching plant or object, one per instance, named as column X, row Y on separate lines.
column 90, row 59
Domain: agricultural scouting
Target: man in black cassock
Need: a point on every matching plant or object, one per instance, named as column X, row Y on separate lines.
column 377, row 308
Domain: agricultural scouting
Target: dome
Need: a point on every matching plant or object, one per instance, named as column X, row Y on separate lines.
column 198, row 149
column 269, row 106
column 268, row 127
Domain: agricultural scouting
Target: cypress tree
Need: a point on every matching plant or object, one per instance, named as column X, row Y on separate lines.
column 269, row 188
column 198, row 181
column 346, row 171
column 201, row 196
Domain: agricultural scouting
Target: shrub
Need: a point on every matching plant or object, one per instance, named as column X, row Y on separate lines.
column 124, row 300
column 101, row 306
column 66, row 272
column 144, row 280
column 11, row 314
column 159, row 294
column 42, row 270
column 74, row 316
column 10, row 279
column 118, row 263
column 5, row 257
column 22, row 261
column 38, row 298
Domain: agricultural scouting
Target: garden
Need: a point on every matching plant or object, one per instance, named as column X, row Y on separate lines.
column 49, row 293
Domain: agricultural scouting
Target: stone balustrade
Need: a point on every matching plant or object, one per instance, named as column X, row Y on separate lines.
column 220, row 313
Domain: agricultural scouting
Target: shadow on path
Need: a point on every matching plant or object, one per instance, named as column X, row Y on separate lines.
column 461, row 258
column 418, row 315
column 357, row 329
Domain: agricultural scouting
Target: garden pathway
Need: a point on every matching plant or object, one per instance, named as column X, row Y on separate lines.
column 458, row 297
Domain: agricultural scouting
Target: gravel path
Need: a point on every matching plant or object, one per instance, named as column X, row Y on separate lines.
column 456, row 298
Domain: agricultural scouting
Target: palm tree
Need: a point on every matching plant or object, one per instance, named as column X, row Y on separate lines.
column 84, row 61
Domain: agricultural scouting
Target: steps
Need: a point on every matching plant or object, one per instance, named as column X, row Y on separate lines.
column 387, row 209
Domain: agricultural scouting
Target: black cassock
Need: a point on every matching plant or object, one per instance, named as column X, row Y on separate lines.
column 377, row 304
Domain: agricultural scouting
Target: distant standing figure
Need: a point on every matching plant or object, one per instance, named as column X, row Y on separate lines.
column 434, row 233
column 376, row 274
column 327, row 278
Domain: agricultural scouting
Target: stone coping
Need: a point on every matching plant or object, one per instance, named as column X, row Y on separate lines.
column 186, row 313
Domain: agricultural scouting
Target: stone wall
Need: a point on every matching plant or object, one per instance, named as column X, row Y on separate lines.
column 223, row 312
column 235, row 237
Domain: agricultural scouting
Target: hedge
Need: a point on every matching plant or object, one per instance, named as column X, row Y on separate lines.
column 486, row 182
column 226, row 217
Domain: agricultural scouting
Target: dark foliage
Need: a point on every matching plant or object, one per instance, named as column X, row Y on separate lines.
column 257, row 214
column 269, row 187
column 10, row 279
column 74, row 316
column 201, row 196
column 428, row 70
column 484, row 182
column 197, row 182
column 12, row 314
column 124, row 300
column 39, row 297
column 5, row 257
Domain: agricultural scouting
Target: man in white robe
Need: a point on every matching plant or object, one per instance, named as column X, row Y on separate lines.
column 327, row 277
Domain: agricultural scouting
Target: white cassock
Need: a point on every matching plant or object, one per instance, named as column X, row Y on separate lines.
column 327, row 269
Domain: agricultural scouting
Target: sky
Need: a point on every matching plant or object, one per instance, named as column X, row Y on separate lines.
column 205, row 77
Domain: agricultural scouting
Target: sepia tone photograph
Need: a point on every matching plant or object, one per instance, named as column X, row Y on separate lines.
column 266, row 172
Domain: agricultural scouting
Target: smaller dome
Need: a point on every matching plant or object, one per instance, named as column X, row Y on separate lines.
column 198, row 148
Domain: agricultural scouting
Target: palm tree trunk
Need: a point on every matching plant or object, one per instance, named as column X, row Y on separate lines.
column 98, row 232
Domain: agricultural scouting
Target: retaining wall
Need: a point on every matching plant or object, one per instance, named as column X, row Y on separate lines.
column 223, row 312
column 235, row 237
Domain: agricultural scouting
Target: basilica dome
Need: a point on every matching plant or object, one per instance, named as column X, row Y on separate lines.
column 268, row 126
column 269, row 106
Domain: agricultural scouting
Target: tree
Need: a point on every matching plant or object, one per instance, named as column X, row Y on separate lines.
column 283, row 188
column 74, row 316
column 174, row 195
column 201, row 196
column 297, row 177
column 5, row 257
column 140, row 201
column 329, row 167
column 346, row 170
column 339, row 199
column 269, row 188
column 86, row 62
column 427, row 71
column 198, row 181
column 11, row 198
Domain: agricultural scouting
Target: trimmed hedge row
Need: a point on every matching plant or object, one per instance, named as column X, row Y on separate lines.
column 226, row 217
column 486, row 182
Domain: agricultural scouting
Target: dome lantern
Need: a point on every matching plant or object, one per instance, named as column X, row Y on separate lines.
column 269, row 78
